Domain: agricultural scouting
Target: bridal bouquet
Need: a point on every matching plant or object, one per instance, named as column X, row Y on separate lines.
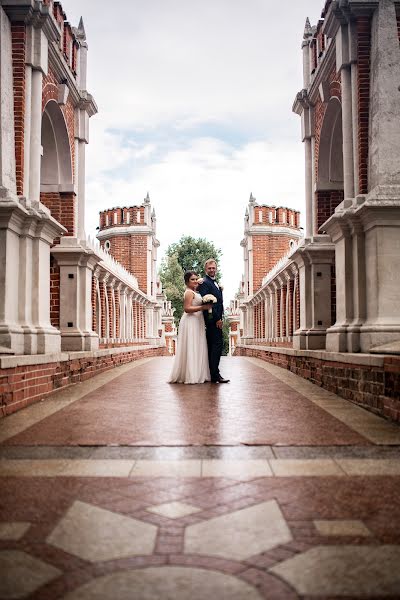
column 206, row 300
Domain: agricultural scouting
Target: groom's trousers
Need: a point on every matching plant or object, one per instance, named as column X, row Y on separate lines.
column 214, row 344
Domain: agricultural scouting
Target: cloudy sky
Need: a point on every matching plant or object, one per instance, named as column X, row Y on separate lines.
column 195, row 102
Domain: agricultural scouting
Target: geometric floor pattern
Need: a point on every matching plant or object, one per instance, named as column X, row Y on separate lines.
column 312, row 511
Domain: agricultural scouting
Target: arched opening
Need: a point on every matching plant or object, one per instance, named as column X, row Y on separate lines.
column 56, row 166
column 56, row 174
column 98, row 310
column 330, row 163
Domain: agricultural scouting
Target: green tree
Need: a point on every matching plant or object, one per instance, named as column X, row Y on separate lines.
column 189, row 254
column 171, row 276
column 225, row 334
column 192, row 253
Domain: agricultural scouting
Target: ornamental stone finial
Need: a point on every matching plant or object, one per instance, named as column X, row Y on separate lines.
column 81, row 30
column 308, row 30
column 147, row 199
column 252, row 199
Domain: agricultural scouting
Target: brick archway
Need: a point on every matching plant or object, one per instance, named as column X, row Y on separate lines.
column 56, row 175
column 330, row 163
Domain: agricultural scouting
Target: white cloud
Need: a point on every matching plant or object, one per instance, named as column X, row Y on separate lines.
column 195, row 107
column 203, row 189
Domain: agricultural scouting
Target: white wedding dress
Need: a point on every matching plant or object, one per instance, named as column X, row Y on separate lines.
column 191, row 359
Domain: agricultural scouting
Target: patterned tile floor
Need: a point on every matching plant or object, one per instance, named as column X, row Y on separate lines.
column 126, row 487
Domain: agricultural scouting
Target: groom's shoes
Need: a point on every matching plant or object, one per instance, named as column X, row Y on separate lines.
column 222, row 380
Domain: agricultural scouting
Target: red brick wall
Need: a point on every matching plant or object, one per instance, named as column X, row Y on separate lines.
column 267, row 250
column 297, row 294
column 364, row 67
column 22, row 386
column 62, row 208
column 333, row 295
column 326, row 202
column 117, row 313
column 131, row 252
column 94, row 302
column 110, row 294
column 18, row 37
column 377, row 388
column 103, row 309
column 54, row 293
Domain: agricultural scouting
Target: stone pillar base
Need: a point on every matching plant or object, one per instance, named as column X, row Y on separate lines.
column 79, row 341
column 371, row 336
column 48, row 341
column 12, row 338
column 312, row 339
column 336, row 339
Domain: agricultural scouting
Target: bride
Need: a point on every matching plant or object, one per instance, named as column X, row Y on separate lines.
column 191, row 360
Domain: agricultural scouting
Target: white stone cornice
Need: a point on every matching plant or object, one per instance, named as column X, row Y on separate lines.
column 274, row 230
column 123, row 230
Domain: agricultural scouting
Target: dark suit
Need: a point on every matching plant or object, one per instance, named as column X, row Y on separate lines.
column 214, row 334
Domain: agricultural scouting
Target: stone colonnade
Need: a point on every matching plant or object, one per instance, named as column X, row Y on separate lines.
column 294, row 305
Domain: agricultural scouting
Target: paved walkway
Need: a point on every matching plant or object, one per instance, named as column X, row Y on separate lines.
column 127, row 487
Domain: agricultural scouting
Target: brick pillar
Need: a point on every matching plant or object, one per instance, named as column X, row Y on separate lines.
column 277, row 313
column 103, row 309
column 94, row 302
column 290, row 307
column 117, row 312
column 111, row 322
column 297, row 301
column 54, row 293
column 283, row 311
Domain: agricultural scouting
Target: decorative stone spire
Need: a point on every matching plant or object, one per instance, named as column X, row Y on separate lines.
column 252, row 199
column 308, row 30
column 81, row 33
column 147, row 199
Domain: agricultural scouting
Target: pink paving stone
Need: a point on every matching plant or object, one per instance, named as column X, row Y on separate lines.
column 140, row 409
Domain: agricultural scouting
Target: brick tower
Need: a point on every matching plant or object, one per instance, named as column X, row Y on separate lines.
column 129, row 235
column 269, row 233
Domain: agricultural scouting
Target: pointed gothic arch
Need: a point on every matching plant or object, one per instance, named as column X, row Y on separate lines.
column 330, row 156
column 56, row 165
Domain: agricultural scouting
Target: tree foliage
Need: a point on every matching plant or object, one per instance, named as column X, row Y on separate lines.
column 171, row 276
column 188, row 254
column 192, row 253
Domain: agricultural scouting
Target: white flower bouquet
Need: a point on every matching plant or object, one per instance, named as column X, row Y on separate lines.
column 206, row 300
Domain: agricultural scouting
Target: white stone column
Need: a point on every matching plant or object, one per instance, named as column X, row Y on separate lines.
column 81, row 139
column 384, row 163
column 347, row 125
column 358, row 287
column 309, row 186
column 336, row 336
column 343, row 64
column 7, row 142
column 36, row 136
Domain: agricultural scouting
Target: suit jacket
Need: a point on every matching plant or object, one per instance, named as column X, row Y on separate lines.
column 208, row 287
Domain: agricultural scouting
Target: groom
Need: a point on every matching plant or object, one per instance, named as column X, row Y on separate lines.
column 213, row 325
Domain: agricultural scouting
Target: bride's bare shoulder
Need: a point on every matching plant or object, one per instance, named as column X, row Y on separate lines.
column 188, row 294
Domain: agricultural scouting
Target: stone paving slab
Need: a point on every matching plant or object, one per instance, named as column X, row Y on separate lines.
column 140, row 408
column 231, row 469
column 197, row 452
column 84, row 530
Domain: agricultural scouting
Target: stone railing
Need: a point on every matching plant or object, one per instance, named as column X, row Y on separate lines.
column 295, row 304
column 102, row 303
